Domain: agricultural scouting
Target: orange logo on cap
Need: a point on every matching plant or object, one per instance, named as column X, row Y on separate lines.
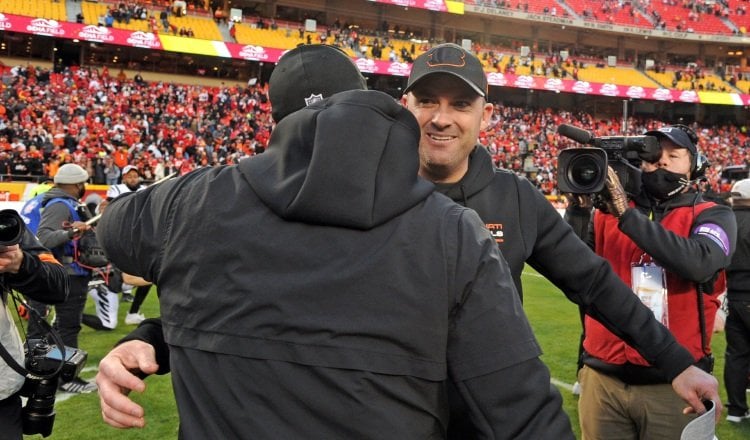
column 460, row 63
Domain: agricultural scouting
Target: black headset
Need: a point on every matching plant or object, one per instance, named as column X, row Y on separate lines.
column 699, row 162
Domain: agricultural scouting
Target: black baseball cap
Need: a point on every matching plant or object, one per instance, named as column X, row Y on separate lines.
column 452, row 59
column 677, row 135
column 310, row 73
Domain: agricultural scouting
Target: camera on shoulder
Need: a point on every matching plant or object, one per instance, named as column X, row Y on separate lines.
column 584, row 170
column 46, row 367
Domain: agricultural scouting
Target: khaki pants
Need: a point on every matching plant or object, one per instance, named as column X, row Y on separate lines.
column 613, row 410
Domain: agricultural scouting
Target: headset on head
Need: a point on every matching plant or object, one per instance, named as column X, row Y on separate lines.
column 699, row 162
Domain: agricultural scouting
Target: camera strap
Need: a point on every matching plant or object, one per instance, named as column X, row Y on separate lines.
column 8, row 358
column 12, row 362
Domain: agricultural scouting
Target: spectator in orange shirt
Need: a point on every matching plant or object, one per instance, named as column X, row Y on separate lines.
column 120, row 156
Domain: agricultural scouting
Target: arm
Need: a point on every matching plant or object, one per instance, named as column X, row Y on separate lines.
column 137, row 355
column 498, row 412
column 592, row 284
column 33, row 271
column 50, row 231
column 578, row 214
column 493, row 356
column 115, row 380
column 695, row 258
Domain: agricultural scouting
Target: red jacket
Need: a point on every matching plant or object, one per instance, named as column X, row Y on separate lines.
column 621, row 252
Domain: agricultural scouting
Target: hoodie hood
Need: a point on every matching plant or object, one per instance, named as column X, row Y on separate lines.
column 348, row 161
column 56, row 193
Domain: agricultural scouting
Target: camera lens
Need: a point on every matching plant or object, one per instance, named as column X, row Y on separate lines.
column 584, row 171
column 11, row 227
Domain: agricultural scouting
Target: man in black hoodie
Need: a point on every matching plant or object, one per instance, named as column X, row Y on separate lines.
column 446, row 92
column 501, row 198
column 357, row 293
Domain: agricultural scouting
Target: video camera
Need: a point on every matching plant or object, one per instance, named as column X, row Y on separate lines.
column 46, row 367
column 11, row 227
column 584, row 170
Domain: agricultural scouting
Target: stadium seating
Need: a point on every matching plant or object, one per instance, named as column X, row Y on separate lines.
column 620, row 16
column 54, row 10
column 204, row 28
column 615, row 75
column 675, row 16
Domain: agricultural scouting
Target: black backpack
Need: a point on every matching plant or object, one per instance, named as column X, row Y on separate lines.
column 88, row 251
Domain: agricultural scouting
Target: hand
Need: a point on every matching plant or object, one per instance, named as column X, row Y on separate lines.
column 695, row 385
column 116, row 379
column 617, row 200
column 102, row 206
column 11, row 258
column 77, row 228
column 579, row 200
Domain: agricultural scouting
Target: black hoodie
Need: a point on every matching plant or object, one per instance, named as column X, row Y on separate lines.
column 323, row 290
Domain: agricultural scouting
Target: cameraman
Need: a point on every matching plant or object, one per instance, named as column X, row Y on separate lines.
column 671, row 246
column 32, row 270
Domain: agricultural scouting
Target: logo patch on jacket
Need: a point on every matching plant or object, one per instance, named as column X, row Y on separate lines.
column 496, row 229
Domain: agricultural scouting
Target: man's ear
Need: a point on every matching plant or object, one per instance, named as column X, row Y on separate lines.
column 486, row 115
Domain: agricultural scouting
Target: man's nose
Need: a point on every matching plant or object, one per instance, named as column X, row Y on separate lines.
column 441, row 116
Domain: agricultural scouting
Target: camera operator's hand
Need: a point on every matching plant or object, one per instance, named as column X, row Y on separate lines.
column 116, row 378
column 617, row 200
column 11, row 258
column 583, row 201
column 77, row 228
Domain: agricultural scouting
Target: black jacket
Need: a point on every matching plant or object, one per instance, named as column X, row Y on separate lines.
column 40, row 277
column 738, row 273
column 529, row 230
column 323, row 290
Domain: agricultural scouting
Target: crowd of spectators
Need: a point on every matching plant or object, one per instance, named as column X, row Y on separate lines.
column 104, row 122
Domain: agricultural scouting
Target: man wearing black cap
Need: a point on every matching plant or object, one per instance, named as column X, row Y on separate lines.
column 446, row 92
column 341, row 314
column 671, row 247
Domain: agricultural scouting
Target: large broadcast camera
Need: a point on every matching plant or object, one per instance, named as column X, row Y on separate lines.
column 584, row 170
column 45, row 363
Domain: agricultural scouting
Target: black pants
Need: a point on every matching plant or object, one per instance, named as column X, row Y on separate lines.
column 68, row 315
column 737, row 366
column 10, row 418
column 140, row 295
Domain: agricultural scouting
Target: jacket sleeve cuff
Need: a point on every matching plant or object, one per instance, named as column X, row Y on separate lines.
column 150, row 331
column 675, row 360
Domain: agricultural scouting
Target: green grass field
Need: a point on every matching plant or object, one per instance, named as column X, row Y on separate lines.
column 554, row 318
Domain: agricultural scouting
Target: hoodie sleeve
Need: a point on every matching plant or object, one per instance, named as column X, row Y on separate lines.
column 698, row 257
column 493, row 355
column 589, row 281
column 133, row 228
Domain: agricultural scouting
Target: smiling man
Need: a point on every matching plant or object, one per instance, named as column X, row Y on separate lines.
column 447, row 92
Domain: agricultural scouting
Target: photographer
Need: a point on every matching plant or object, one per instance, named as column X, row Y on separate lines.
column 32, row 270
column 671, row 246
